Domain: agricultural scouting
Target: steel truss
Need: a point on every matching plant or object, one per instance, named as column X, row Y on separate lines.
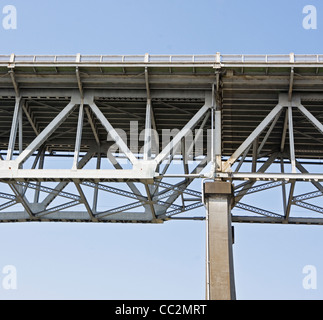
column 109, row 181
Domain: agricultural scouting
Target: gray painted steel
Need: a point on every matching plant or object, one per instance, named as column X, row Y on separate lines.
column 259, row 118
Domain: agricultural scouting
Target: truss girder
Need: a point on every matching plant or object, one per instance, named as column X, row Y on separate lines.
column 109, row 181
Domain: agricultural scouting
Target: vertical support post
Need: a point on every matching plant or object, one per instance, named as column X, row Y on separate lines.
column 96, row 190
column 20, row 133
column 218, row 140
column 14, row 126
column 147, row 143
column 291, row 139
column 254, row 155
column 41, row 156
column 283, row 140
column 213, row 132
column 20, row 126
column 78, row 136
column 219, row 266
column 282, row 169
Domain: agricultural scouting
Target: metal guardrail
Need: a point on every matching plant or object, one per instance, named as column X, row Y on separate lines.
column 165, row 59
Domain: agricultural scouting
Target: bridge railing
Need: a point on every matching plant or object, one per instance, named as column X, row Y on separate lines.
column 165, row 59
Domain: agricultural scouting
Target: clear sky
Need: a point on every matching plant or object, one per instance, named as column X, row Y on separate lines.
column 110, row 261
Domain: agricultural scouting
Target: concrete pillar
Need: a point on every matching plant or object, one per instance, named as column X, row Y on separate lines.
column 219, row 273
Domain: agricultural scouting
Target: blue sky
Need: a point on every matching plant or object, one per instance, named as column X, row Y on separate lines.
column 169, row 26
column 102, row 261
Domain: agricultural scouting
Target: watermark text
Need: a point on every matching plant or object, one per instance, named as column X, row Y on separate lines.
column 310, row 20
column 9, row 20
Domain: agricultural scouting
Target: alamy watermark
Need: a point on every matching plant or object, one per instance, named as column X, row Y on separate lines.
column 310, row 20
column 195, row 143
column 310, row 280
column 9, row 281
column 9, row 20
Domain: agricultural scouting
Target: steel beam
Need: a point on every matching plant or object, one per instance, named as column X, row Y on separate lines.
column 79, row 82
column 311, row 118
column 309, row 195
column 147, row 141
column 78, row 136
column 241, row 193
column 218, row 139
column 263, row 142
column 270, row 176
column 61, row 185
column 41, row 138
column 113, row 133
column 252, row 137
column 29, row 117
column 309, row 206
column 141, row 173
column 315, row 183
column 84, row 200
column 183, row 133
column 14, row 126
column 292, row 220
column 93, row 126
column 258, row 210
column 291, row 138
column 14, row 82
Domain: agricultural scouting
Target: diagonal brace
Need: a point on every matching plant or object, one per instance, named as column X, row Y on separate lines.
column 42, row 137
column 252, row 137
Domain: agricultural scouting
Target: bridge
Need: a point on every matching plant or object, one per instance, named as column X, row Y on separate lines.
column 152, row 138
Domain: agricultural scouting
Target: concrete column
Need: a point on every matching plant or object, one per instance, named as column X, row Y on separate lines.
column 219, row 273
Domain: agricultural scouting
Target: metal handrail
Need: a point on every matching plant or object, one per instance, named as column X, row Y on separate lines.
column 217, row 58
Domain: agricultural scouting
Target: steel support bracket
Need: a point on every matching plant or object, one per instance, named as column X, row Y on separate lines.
column 285, row 101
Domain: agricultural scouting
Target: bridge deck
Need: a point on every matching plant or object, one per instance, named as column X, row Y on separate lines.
column 249, row 86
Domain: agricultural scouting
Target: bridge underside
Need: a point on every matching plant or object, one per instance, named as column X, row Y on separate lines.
column 95, row 139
